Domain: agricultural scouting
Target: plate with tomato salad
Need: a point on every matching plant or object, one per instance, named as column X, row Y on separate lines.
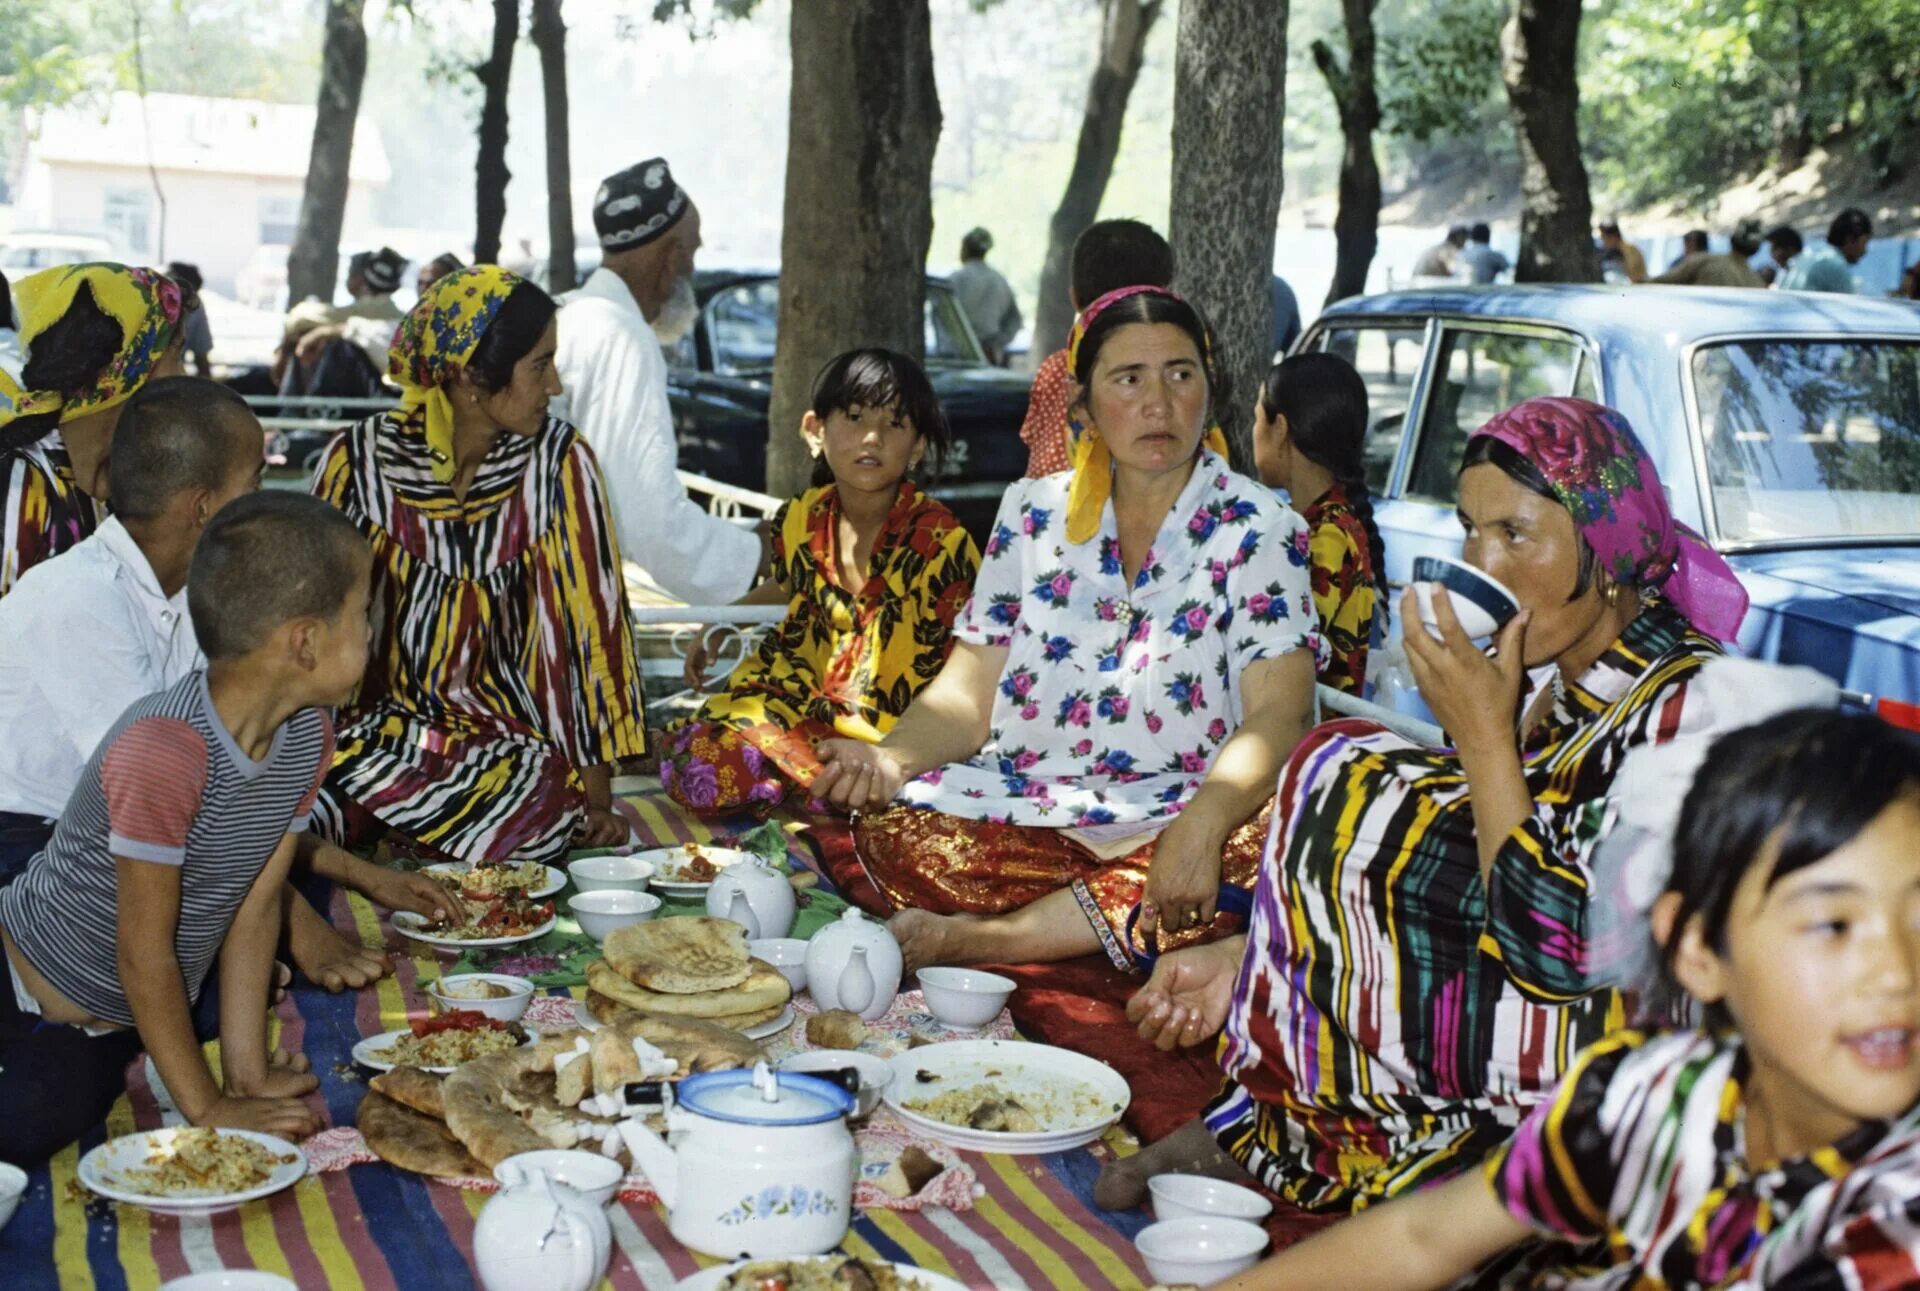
column 496, row 919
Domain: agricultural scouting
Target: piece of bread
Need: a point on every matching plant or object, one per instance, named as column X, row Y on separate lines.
column 836, row 1029
column 478, row 1112
column 413, row 1089
column 911, row 1171
column 681, row 955
column 697, row 1044
column 573, row 1080
column 762, row 989
column 403, row 1137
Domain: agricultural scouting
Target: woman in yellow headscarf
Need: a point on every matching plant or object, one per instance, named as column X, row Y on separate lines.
column 91, row 335
column 502, row 683
column 1136, row 663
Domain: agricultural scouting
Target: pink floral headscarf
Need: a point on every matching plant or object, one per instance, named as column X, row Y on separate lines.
column 1600, row 473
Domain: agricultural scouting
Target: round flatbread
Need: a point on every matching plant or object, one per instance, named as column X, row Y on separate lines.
column 413, row 1089
column 697, row 1044
column 681, row 955
column 478, row 1113
column 403, row 1137
column 761, row 989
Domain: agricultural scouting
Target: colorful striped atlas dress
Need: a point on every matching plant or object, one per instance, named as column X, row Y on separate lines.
column 1395, row 1018
column 46, row 513
column 1644, row 1149
column 502, row 662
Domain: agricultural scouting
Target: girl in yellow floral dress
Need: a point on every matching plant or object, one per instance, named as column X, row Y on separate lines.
column 873, row 572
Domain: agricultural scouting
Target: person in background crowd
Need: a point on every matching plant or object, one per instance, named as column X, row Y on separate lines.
column 613, row 379
column 1829, row 267
column 504, row 684
column 1483, row 263
column 1286, row 316
column 93, row 334
column 1108, row 255
column 1309, row 433
column 1909, row 288
column 1442, row 259
column 873, row 573
column 199, row 344
column 436, row 269
column 342, row 350
column 1618, row 253
column 985, row 297
column 1726, row 269
column 1692, row 243
column 1783, row 244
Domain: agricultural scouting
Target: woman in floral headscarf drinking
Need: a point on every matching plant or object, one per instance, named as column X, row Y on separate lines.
column 1414, row 976
column 503, row 683
column 1136, row 662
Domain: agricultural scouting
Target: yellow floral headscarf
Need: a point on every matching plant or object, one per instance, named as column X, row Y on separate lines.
column 1092, row 463
column 433, row 343
column 145, row 303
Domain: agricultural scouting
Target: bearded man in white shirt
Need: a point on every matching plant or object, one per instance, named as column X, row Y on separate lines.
column 614, row 380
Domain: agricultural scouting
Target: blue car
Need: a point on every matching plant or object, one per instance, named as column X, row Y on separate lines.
column 1785, row 425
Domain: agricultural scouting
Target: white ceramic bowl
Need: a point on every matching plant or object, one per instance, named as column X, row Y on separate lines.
column 593, row 1176
column 507, row 1008
column 13, row 1186
column 1191, row 1196
column 788, row 954
column 1200, row 1251
column 599, row 913
column 875, row 1073
column 964, row 998
column 230, row 1280
column 1480, row 602
column 610, row 874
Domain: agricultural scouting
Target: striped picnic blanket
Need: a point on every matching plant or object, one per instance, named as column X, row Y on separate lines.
column 1033, row 1226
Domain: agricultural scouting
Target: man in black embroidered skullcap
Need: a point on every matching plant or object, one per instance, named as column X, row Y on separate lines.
column 614, row 381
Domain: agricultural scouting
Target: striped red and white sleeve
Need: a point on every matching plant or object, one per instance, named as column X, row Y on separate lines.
column 153, row 775
column 303, row 818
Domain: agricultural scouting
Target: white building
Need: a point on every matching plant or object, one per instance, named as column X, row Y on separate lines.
column 232, row 172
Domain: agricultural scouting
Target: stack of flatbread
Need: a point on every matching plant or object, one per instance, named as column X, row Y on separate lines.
column 688, row 967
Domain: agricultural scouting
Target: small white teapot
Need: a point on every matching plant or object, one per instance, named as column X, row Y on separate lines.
column 539, row 1233
column 854, row 964
column 754, row 895
column 756, row 1163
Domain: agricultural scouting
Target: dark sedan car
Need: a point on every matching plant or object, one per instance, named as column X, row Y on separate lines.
column 720, row 382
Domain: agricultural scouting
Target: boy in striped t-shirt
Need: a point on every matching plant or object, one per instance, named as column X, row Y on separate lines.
column 174, row 848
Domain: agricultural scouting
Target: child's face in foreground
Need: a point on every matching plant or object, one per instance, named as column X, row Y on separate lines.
column 1822, row 976
column 342, row 646
column 870, row 449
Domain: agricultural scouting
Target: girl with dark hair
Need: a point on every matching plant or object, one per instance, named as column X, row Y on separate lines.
column 1413, row 979
column 1136, row 662
column 91, row 335
column 873, row 573
column 1778, row 1148
column 503, row 683
column 1309, row 426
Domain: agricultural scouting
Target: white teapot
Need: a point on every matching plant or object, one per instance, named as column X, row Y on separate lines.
column 754, row 895
column 537, row 1234
column 755, row 1163
column 854, row 964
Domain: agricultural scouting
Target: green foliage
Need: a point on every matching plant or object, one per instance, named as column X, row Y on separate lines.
column 1439, row 71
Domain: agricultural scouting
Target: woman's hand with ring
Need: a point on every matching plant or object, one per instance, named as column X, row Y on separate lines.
column 857, row 776
column 1474, row 697
column 1183, row 879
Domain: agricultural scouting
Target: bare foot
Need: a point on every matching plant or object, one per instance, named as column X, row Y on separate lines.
column 927, row 939
column 329, row 960
column 1191, row 1149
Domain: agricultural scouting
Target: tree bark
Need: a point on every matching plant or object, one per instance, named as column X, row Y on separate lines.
column 1356, row 226
column 314, row 259
column 1124, row 26
column 1229, row 108
column 550, row 38
column 859, row 201
column 1538, row 51
column 490, row 173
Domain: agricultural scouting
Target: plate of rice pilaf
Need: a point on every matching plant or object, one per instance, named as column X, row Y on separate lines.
column 689, row 870
column 191, row 1170
column 440, row 1044
column 1006, row 1095
column 529, row 878
column 503, row 919
column 816, row 1273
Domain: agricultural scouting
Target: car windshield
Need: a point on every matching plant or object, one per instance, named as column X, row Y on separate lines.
column 743, row 320
column 1811, row 439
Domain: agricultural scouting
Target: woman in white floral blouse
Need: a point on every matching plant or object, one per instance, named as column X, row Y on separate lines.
column 1136, row 664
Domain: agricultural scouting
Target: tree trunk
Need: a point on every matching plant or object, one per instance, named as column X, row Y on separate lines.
column 859, row 201
column 1124, row 25
column 1356, row 227
column 1538, row 52
column 490, row 173
column 314, row 258
column 1229, row 107
column 550, row 38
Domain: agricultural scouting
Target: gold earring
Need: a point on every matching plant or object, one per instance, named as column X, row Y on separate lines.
column 1613, row 594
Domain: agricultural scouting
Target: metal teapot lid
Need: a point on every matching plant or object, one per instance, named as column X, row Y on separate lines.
column 763, row 1096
